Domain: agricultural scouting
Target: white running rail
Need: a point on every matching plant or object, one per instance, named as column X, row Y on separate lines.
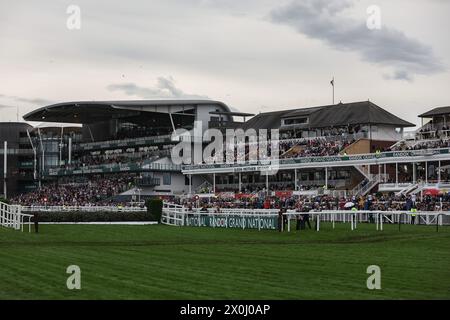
column 11, row 216
column 82, row 209
column 377, row 217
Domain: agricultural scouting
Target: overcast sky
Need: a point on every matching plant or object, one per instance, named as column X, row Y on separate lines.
column 255, row 55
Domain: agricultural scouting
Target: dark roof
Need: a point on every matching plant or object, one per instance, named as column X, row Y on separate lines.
column 93, row 111
column 440, row 111
column 232, row 113
column 341, row 114
column 266, row 120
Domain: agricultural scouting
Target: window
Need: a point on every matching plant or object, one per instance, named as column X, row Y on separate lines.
column 294, row 121
column 167, row 178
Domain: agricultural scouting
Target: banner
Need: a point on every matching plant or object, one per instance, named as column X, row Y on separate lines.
column 225, row 195
column 258, row 166
column 232, row 221
column 283, row 194
column 245, row 195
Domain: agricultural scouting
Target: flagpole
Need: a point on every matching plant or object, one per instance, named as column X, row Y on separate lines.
column 333, row 90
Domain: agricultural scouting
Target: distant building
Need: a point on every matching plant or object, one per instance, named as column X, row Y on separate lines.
column 19, row 174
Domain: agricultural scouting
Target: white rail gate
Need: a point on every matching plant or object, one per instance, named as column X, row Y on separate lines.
column 177, row 215
column 11, row 216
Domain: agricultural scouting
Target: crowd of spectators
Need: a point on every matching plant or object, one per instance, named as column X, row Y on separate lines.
column 343, row 132
column 92, row 159
column 422, row 145
column 371, row 202
column 432, row 131
column 93, row 192
column 258, row 188
column 291, row 148
column 119, row 158
column 318, row 147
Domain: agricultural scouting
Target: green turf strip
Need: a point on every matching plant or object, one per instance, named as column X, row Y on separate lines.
column 161, row 262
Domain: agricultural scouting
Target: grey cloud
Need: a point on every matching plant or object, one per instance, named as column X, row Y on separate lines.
column 39, row 101
column 324, row 20
column 399, row 75
column 3, row 106
column 164, row 89
column 34, row 100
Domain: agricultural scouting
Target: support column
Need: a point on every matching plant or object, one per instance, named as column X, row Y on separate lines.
column 267, row 184
column 70, row 151
column 214, row 183
column 240, row 182
column 384, row 172
column 426, row 172
column 379, row 172
column 190, row 184
column 414, row 172
column 295, row 180
column 326, row 178
column 396, row 173
column 439, row 171
column 5, row 168
column 368, row 170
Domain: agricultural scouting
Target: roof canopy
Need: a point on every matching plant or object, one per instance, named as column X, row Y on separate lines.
column 440, row 111
column 95, row 111
column 340, row 114
column 232, row 113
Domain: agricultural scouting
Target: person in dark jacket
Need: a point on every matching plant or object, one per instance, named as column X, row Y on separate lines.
column 280, row 220
column 306, row 220
column 300, row 223
column 36, row 222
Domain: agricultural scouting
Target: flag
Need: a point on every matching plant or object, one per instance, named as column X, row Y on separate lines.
column 332, row 82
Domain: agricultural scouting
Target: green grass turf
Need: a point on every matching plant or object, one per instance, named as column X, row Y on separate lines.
column 161, row 262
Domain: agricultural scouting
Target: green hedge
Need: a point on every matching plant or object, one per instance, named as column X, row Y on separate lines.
column 4, row 200
column 91, row 216
column 154, row 208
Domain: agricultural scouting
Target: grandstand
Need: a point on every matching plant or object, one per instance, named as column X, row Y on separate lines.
column 120, row 152
column 345, row 149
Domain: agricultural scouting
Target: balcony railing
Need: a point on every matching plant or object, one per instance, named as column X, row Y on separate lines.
column 122, row 143
column 258, row 164
column 113, row 168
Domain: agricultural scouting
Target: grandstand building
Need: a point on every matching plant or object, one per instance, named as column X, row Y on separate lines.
column 343, row 149
column 18, row 177
column 121, row 152
column 125, row 141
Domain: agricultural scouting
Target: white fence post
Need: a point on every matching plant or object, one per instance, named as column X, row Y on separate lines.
column 11, row 216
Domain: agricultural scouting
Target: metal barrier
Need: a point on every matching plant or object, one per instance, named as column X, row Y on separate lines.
column 353, row 217
column 12, row 217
